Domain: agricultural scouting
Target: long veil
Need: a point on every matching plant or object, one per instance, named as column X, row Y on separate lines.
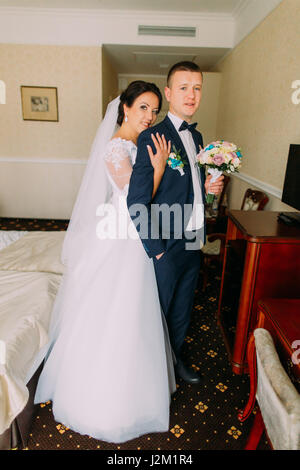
column 81, row 241
column 95, row 189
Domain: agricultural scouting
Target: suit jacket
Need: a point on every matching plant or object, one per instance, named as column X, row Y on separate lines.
column 173, row 188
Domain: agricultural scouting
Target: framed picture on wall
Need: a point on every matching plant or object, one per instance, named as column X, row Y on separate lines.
column 39, row 103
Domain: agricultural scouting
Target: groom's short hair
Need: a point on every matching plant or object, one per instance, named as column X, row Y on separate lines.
column 183, row 66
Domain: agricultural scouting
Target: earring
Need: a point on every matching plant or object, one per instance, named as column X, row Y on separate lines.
column 126, row 118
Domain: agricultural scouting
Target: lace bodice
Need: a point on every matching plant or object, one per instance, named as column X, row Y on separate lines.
column 119, row 158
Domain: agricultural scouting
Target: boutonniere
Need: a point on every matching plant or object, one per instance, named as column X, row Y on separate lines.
column 175, row 161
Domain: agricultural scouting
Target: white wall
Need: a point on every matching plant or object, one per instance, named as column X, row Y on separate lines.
column 41, row 163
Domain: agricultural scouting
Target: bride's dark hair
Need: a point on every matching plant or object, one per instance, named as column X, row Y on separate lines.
column 132, row 92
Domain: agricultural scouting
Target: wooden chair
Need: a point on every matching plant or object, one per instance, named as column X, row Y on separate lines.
column 277, row 397
column 214, row 248
column 254, row 200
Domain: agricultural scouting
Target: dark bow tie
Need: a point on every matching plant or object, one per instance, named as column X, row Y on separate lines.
column 185, row 126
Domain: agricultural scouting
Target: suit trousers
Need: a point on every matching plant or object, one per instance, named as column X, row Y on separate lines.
column 177, row 273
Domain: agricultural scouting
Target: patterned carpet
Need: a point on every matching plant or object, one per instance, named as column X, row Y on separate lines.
column 32, row 224
column 202, row 417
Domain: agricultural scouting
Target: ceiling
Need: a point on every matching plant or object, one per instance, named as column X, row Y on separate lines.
column 156, row 60
column 200, row 6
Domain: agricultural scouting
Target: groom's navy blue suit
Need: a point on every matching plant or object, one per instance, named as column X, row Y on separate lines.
column 177, row 270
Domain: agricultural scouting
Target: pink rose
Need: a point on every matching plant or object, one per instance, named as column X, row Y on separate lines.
column 232, row 155
column 218, row 159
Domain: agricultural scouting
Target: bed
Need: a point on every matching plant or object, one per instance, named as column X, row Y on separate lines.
column 30, row 275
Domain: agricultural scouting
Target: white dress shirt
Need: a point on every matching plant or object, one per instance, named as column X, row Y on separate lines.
column 197, row 217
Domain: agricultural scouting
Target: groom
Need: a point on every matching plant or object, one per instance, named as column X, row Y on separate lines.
column 175, row 251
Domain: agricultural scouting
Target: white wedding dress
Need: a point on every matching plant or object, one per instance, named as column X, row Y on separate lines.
column 109, row 372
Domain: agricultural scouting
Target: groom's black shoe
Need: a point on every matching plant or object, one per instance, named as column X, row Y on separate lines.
column 186, row 374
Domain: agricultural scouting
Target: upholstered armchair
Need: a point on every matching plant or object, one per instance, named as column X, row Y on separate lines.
column 277, row 397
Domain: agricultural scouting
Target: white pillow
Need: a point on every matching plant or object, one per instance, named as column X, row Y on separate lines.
column 35, row 251
column 9, row 236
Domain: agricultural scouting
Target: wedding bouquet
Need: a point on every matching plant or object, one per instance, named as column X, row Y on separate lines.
column 219, row 157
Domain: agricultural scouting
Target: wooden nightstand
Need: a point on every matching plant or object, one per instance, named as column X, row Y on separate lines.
column 261, row 260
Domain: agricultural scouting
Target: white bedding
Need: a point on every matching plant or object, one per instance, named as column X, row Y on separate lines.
column 26, row 301
column 9, row 236
column 35, row 251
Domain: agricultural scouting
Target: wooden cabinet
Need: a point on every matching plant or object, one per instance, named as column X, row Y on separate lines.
column 262, row 259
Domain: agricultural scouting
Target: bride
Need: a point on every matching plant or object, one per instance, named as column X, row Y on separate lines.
column 109, row 368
